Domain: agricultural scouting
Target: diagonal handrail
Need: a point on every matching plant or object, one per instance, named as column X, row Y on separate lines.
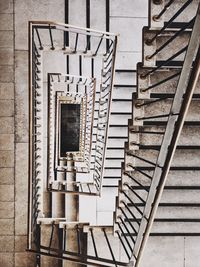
column 185, row 89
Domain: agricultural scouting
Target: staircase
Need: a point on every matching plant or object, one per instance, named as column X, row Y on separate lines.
column 152, row 196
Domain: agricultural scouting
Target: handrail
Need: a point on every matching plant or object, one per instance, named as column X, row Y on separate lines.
column 185, row 89
column 141, row 217
column 84, row 90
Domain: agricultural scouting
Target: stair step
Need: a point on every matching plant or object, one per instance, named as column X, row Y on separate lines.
column 163, row 107
column 171, row 196
column 171, row 49
column 182, row 158
column 155, row 81
column 125, row 78
column 142, row 135
column 175, row 178
column 183, row 17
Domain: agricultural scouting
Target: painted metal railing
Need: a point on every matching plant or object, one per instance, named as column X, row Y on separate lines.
column 144, row 178
column 87, row 58
column 135, row 209
column 80, row 90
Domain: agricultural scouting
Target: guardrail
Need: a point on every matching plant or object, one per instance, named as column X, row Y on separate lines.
column 132, row 227
column 91, row 55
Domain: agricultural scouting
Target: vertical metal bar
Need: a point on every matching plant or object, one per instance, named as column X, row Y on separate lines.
column 39, row 40
column 125, row 237
column 164, row 9
column 128, row 220
column 67, row 67
column 80, row 67
column 65, row 238
column 161, row 82
column 92, row 67
column 107, row 22
column 76, row 43
column 162, row 64
column 93, row 242
column 125, row 226
column 136, row 194
column 99, row 44
column 109, row 246
column 81, row 187
column 51, row 38
column 66, row 34
column 124, row 246
column 88, row 45
column 88, row 185
column 78, row 239
column 38, row 230
column 88, row 24
column 51, row 237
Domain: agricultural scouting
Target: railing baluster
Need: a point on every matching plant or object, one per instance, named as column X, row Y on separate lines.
column 140, row 158
column 125, row 237
column 76, row 43
column 136, row 194
column 161, row 82
column 171, row 39
column 51, row 237
column 145, row 174
column 131, row 225
column 51, row 38
column 135, row 181
column 93, row 242
column 65, row 237
column 125, row 249
column 131, row 201
column 138, row 105
column 166, row 7
column 155, row 117
column 143, row 76
column 170, row 21
column 99, row 44
column 78, row 239
column 125, row 226
column 39, row 40
column 109, row 246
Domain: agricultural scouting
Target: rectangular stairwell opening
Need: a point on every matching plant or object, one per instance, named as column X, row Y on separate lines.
column 70, row 128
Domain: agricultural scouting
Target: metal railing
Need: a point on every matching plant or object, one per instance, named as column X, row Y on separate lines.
column 64, row 88
column 138, row 199
column 144, row 178
column 90, row 56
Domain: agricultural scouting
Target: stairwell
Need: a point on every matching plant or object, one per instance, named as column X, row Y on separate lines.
column 145, row 216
